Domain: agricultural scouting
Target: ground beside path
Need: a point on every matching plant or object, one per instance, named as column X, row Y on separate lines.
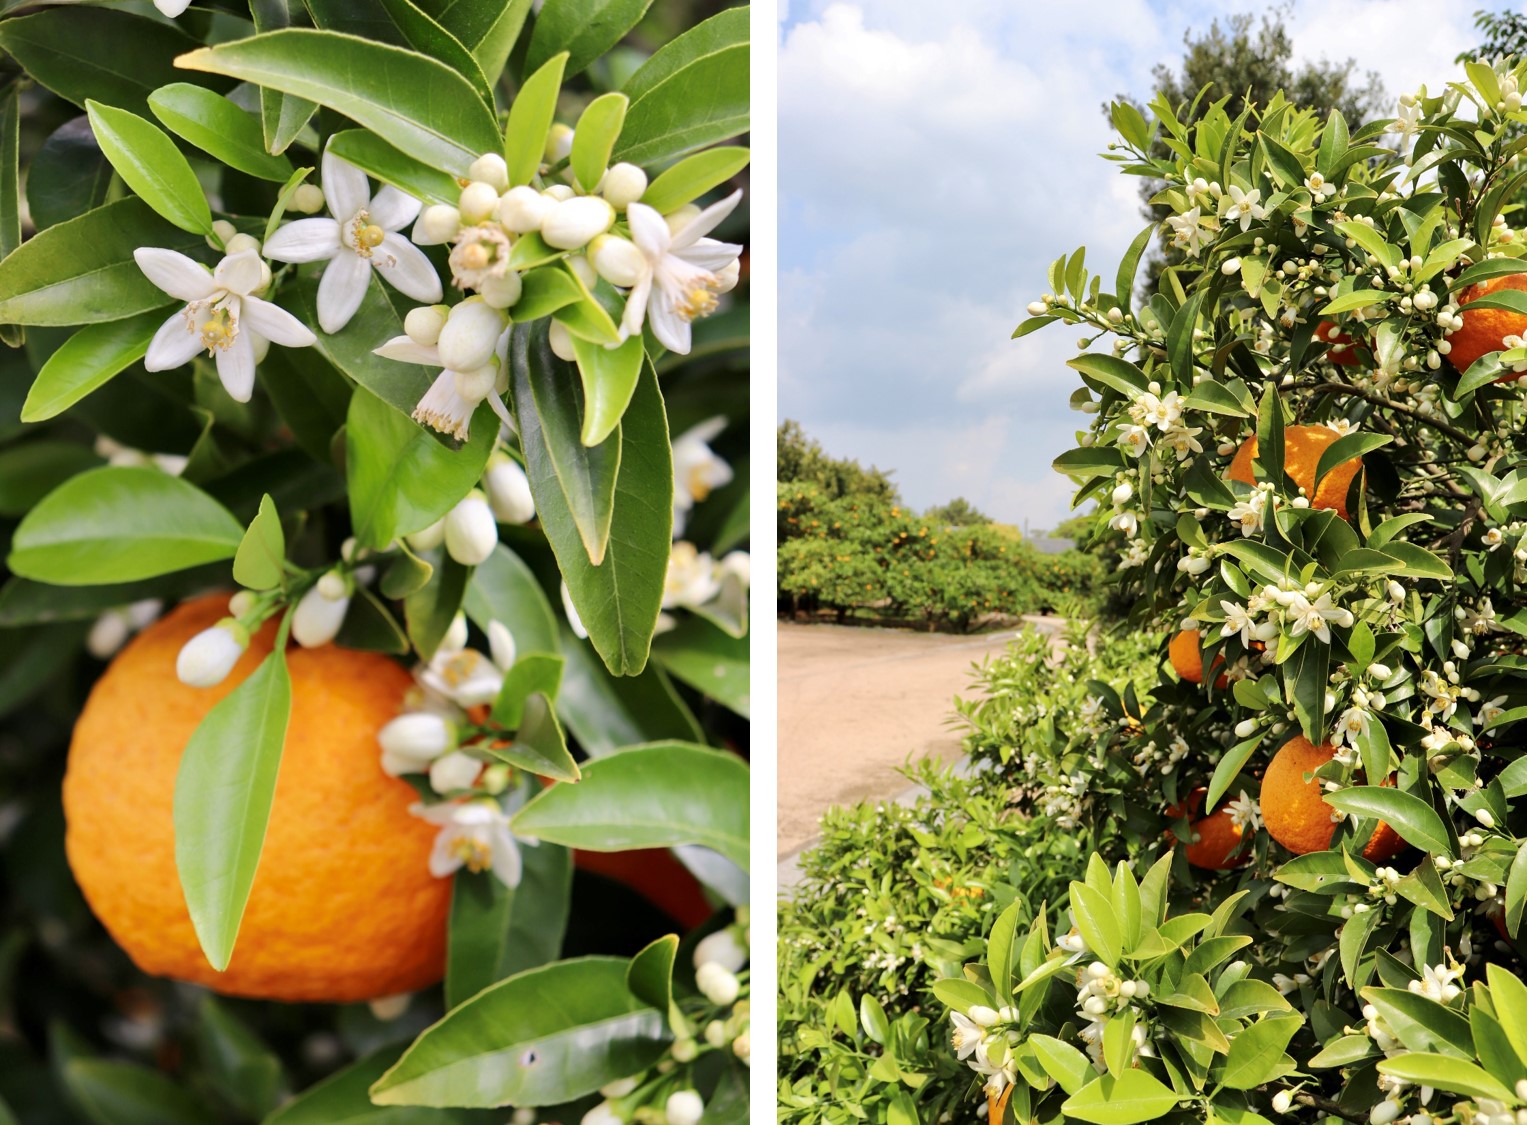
column 855, row 703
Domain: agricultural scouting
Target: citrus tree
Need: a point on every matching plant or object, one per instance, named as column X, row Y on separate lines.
column 372, row 409
column 1311, row 864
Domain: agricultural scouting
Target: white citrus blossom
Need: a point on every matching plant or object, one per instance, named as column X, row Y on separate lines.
column 453, row 397
column 508, row 489
column 1316, row 617
column 692, row 579
column 362, row 236
column 207, row 658
column 696, row 470
column 1188, row 231
column 222, row 316
column 171, row 8
column 473, row 834
column 1238, row 619
column 1241, row 206
column 684, row 272
column 965, row 1037
column 412, row 742
column 112, row 628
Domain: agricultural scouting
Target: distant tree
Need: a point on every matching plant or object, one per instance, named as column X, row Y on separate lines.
column 802, row 460
column 1245, row 63
column 1505, row 34
column 959, row 512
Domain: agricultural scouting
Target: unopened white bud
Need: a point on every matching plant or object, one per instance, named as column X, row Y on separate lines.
column 240, row 243
column 1396, row 592
column 1038, row 308
column 428, row 538
column 522, row 209
column 722, row 948
column 307, row 199
column 241, row 603
column 317, row 618
column 559, row 192
column 423, row 325
column 333, row 586
column 501, row 292
column 572, row 223
column 207, row 658
column 718, row 986
column 1384, row 1113
column 438, row 223
column 684, row 1107
column 623, row 185
column 490, row 169
column 982, row 1016
column 454, row 771
column 411, row 742
column 1283, row 1101
column 455, row 638
column 508, row 490
column 1245, row 728
column 478, row 201
column 1123, row 492
column 1485, row 817
column 561, row 341
column 559, row 143
column 108, row 634
column 617, row 260
column 501, row 644
column 470, row 530
column 470, row 335
column 222, row 231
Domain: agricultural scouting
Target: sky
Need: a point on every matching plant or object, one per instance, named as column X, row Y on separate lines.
column 934, row 158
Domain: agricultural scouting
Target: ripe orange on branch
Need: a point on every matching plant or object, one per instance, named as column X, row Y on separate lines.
column 343, row 906
column 1294, row 812
column 1302, row 449
column 1188, row 662
column 1341, row 348
column 1215, row 838
column 1484, row 330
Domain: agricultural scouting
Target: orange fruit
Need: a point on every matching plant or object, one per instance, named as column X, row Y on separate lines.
column 343, row 906
column 1216, row 838
column 1188, row 661
column 1483, row 329
column 1294, row 813
column 1342, row 349
column 657, row 876
column 1302, row 447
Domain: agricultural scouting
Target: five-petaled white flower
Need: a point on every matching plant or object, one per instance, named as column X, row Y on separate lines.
column 683, row 272
column 696, row 469
column 1188, row 230
column 1242, row 206
column 1237, row 620
column 452, row 398
column 361, row 236
column 473, row 834
column 966, row 1036
column 221, row 315
column 1317, row 617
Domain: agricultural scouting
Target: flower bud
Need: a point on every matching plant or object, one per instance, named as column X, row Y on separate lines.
column 718, row 986
column 583, row 270
column 715, row 1033
column 685, row 1050
column 241, row 242
column 423, row 325
column 1283, row 1101
column 207, row 658
column 1396, row 592
column 429, row 538
column 561, row 341
column 411, row 742
column 559, row 193
column 559, row 143
column 508, row 490
column 602, row 1114
column 501, row 645
column 317, row 618
column 241, row 603
column 308, row 198
column 982, row 1016
column 1384, row 1113
column 623, row 185
column 522, row 209
column 470, row 531
column 742, row 1047
column 478, row 201
column 721, row 948
column 108, row 634
column 1245, row 728
column 619, row 1088
column 678, row 220
column 438, row 223
column 453, row 771
column 222, row 231
column 490, row 169
column 470, row 335
column 573, row 223
column 455, row 638
column 501, row 292
column 684, row 1108
column 1038, row 308
column 333, row 586
column 617, row 260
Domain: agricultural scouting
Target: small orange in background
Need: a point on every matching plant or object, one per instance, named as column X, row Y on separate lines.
column 1484, row 329
column 343, row 906
column 1188, row 661
column 1294, row 812
column 1302, row 447
column 1342, row 349
column 1216, row 838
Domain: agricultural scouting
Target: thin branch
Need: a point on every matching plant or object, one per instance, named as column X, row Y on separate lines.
column 1399, row 408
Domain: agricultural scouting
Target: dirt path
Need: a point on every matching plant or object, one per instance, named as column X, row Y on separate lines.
column 856, row 703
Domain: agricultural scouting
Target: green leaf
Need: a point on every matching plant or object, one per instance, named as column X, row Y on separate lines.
column 1062, row 1062
column 68, row 176
column 650, row 977
column 594, row 138
column 223, row 795
column 1510, row 998
column 697, row 653
column 430, row 610
column 219, row 128
column 116, row 1093
column 504, row 589
column 585, row 29
column 489, row 31
column 400, row 385
column 82, row 270
column 10, row 155
column 693, row 176
column 1346, row 448
column 692, row 92
column 401, row 479
column 609, row 377
column 32, row 469
column 378, row 159
column 1124, row 1099
column 1421, row 1023
column 498, row 931
column 1414, row 819
column 542, row 1037
column 606, row 712
column 533, row 673
column 423, row 107
column 1516, row 890
column 651, row 796
column 244, row 1071
column 403, row 24
column 370, row 627
column 343, row 1099
column 150, row 164
column 260, row 563
column 1457, row 1076
column 86, row 361
column 545, row 290
column 119, row 525
column 1256, row 1054
column 282, row 116
column 530, row 119
column 619, row 599
column 1095, row 919
column 538, row 744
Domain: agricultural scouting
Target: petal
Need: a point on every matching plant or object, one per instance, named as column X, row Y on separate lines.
column 172, row 8
column 392, row 209
column 173, row 345
column 706, row 221
column 648, row 230
column 342, row 289
column 239, row 273
column 306, row 240
column 636, row 308
column 344, row 186
column 442, row 861
column 179, row 276
column 236, row 368
column 505, row 856
column 275, row 324
column 671, row 329
column 710, row 255
column 405, row 267
column 405, row 350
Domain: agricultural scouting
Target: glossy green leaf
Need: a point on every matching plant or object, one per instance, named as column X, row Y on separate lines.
column 86, row 360
column 400, row 385
column 378, row 159
column 605, row 712
column 489, row 31
column 542, row 1037
column 121, row 1093
column 585, row 29
column 498, row 931
column 1125, row 1099
column 546, row 290
column 650, row 976
column 430, row 611
column 692, row 92
column 260, row 563
column 311, row 397
column 32, row 469
column 244, row 1071
column 10, row 154
column 1062, row 1062
column 403, row 24
column 223, row 795
column 343, row 1099
column 1256, row 1054
column 1414, row 819
column 1457, row 1076
column 594, row 138
column 150, row 164
column 651, row 796
column 609, row 377
column 504, row 589
column 539, row 745
column 695, row 175
column 68, row 176
column 401, row 479
column 282, row 116
column 422, row 106
column 708, row 660
column 219, row 128
column 370, row 627
column 530, row 118
column 587, row 319
column 1096, row 922
column 532, row 673
column 1510, row 997
column 121, row 524
column 82, row 271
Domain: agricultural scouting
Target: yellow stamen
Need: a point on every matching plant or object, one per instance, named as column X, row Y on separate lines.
column 461, row 667
column 698, row 301
column 219, row 331
column 476, row 256
column 371, row 236
column 699, row 487
column 475, row 854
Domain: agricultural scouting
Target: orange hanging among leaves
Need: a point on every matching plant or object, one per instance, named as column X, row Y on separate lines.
column 1294, row 811
column 1302, row 448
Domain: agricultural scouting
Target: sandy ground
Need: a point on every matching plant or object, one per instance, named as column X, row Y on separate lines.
column 854, row 704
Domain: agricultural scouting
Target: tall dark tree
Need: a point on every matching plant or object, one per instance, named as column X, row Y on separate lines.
column 959, row 512
column 1505, row 33
column 802, row 460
